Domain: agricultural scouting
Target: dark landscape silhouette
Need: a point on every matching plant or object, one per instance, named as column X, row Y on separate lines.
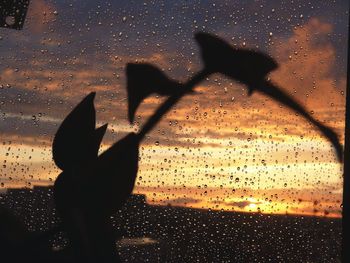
column 175, row 234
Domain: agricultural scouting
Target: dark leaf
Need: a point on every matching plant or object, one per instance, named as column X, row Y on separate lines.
column 76, row 140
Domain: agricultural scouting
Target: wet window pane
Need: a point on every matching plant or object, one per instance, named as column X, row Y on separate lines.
column 231, row 173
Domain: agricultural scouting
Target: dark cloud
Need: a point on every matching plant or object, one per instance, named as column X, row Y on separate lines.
column 182, row 201
column 239, row 204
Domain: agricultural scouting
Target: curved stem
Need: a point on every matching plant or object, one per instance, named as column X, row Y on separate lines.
column 278, row 94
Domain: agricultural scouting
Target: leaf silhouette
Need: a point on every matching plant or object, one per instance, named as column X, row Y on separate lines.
column 77, row 140
column 144, row 80
column 116, row 170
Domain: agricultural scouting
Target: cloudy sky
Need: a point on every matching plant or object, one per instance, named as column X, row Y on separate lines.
column 216, row 149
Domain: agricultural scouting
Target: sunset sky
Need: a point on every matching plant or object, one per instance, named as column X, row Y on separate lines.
column 218, row 148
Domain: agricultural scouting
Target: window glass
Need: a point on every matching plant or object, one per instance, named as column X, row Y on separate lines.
column 225, row 176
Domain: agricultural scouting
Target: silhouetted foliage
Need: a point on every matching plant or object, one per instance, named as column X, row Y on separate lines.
column 246, row 66
column 92, row 187
column 251, row 68
column 77, row 140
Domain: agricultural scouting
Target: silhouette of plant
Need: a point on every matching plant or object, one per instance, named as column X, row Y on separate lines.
column 245, row 66
column 142, row 81
column 92, row 187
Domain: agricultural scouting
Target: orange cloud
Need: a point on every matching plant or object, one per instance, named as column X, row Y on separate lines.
column 40, row 13
column 307, row 66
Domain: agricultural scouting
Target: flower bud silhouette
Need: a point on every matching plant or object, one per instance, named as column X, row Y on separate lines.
column 245, row 66
column 144, row 80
